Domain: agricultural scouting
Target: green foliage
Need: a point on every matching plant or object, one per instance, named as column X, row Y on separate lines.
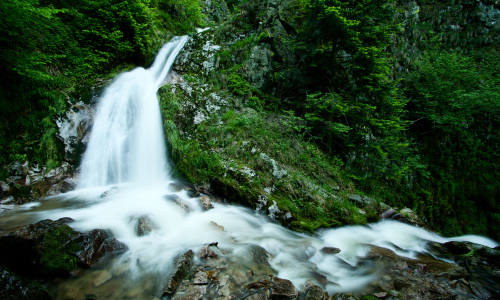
column 238, row 85
column 53, row 50
column 238, row 153
column 454, row 108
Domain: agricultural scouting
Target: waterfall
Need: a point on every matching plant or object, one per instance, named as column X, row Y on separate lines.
column 127, row 144
column 125, row 177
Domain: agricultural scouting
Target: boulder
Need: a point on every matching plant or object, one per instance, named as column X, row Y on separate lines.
column 50, row 249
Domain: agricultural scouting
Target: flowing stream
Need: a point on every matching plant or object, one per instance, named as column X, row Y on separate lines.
column 125, row 176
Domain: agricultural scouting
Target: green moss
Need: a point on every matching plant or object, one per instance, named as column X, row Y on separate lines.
column 58, row 249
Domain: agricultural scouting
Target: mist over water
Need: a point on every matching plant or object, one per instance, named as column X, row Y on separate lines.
column 125, row 176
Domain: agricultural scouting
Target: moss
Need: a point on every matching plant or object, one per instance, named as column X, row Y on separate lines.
column 58, row 249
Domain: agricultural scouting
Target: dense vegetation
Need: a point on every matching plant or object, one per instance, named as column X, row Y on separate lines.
column 399, row 100
column 52, row 51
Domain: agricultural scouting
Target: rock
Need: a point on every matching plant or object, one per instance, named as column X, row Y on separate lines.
column 458, row 248
column 380, row 295
column 192, row 292
column 144, row 226
column 388, row 213
column 206, row 253
column 205, row 202
column 101, row 277
column 330, row 250
column 94, row 245
column 225, row 287
column 180, row 269
column 175, row 186
column 408, row 216
column 362, row 201
column 258, row 256
column 261, row 295
column 13, row 287
column 51, row 249
column 283, row 289
column 200, row 278
column 343, row 296
column 4, row 188
column 177, row 200
column 314, row 292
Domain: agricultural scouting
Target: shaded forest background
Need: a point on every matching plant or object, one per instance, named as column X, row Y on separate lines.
column 404, row 95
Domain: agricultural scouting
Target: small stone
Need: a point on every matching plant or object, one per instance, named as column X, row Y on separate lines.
column 205, row 202
column 330, row 250
column 380, row 295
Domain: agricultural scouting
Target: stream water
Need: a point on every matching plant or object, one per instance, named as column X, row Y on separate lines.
column 126, row 161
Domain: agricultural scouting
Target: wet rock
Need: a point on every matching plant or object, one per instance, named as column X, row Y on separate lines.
column 225, row 287
column 180, row 270
column 206, row 251
column 144, row 226
column 192, row 292
column 205, row 202
column 427, row 277
column 388, row 213
column 458, row 248
column 314, row 292
column 258, row 285
column 50, row 249
column 177, row 200
column 176, row 187
column 200, row 278
column 13, row 287
column 94, row 245
column 283, row 289
column 330, row 250
column 343, row 296
column 260, row 295
column 408, row 216
column 258, row 256
column 101, row 277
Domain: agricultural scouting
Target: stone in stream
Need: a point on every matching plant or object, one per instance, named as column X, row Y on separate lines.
column 177, row 200
column 283, row 289
column 205, row 202
column 144, row 226
column 180, row 270
column 314, row 292
column 330, row 250
column 50, row 249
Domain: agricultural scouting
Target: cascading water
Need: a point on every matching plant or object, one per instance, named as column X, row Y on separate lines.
column 127, row 144
column 125, row 176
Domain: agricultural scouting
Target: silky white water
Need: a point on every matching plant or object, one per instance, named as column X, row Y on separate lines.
column 126, row 161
